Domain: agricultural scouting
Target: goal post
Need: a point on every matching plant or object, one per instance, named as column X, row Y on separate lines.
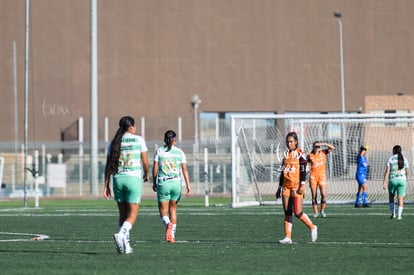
column 258, row 147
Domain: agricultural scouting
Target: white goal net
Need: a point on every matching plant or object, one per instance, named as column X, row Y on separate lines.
column 258, row 146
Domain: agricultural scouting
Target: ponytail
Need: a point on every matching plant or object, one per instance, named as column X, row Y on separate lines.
column 169, row 137
column 115, row 149
column 397, row 150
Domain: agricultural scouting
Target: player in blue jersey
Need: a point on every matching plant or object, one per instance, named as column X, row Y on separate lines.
column 361, row 177
column 396, row 174
column 127, row 164
column 169, row 163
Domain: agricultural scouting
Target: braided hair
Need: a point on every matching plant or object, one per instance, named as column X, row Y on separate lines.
column 115, row 152
column 169, row 137
column 397, row 150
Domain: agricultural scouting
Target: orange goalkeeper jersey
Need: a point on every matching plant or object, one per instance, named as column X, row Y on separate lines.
column 318, row 162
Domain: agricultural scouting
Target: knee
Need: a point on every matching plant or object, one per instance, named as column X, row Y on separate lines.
column 299, row 215
column 288, row 212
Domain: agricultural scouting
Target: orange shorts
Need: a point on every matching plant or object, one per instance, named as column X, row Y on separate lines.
column 317, row 180
column 287, row 191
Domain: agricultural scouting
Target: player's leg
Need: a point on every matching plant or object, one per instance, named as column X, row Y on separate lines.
column 322, row 189
column 163, row 197
column 132, row 215
column 359, row 192
column 365, row 194
column 133, row 189
column 287, row 202
column 391, row 199
column 119, row 196
column 303, row 217
column 173, row 217
column 164, row 208
column 401, row 192
column 298, row 210
column 313, row 188
column 175, row 196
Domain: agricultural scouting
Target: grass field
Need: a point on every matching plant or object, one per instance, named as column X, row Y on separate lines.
column 213, row 240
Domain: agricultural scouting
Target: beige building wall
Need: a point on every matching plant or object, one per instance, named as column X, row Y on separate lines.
column 398, row 103
column 384, row 137
column 237, row 55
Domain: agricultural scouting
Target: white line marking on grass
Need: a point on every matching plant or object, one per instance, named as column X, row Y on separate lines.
column 34, row 237
column 366, row 243
column 39, row 237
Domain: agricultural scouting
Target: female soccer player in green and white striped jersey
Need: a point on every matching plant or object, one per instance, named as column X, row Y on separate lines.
column 127, row 164
column 169, row 163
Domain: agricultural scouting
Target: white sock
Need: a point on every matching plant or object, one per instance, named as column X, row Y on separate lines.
column 127, row 245
column 165, row 220
column 124, row 230
column 174, row 229
column 400, row 210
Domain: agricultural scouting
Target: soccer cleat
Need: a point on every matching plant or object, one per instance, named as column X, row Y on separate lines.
column 365, row 205
column 357, row 205
column 399, row 218
column 129, row 250
column 119, row 243
column 315, row 215
column 314, row 234
column 393, row 216
column 286, row 240
column 323, row 214
column 168, row 233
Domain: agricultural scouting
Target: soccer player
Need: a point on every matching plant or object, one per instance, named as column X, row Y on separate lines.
column 292, row 187
column 361, row 177
column 127, row 164
column 396, row 174
column 317, row 178
column 169, row 163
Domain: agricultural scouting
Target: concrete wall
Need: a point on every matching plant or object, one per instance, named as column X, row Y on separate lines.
column 238, row 55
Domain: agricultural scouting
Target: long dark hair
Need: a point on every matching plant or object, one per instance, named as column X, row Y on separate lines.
column 397, row 150
column 294, row 135
column 169, row 137
column 113, row 158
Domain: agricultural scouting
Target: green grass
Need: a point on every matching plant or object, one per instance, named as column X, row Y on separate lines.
column 214, row 240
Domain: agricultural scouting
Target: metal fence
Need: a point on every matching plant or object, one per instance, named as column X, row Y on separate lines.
column 63, row 168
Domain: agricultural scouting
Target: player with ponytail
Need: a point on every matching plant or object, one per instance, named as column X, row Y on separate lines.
column 169, row 163
column 396, row 174
column 127, row 165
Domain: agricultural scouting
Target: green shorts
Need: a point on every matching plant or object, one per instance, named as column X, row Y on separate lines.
column 397, row 185
column 169, row 190
column 127, row 188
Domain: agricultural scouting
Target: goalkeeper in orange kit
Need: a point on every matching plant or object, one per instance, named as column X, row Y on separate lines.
column 317, row 178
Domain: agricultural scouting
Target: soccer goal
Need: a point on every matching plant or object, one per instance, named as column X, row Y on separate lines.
column 258, row 146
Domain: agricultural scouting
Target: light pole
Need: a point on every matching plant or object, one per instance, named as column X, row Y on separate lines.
column 338, row 16
column 195, row 102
